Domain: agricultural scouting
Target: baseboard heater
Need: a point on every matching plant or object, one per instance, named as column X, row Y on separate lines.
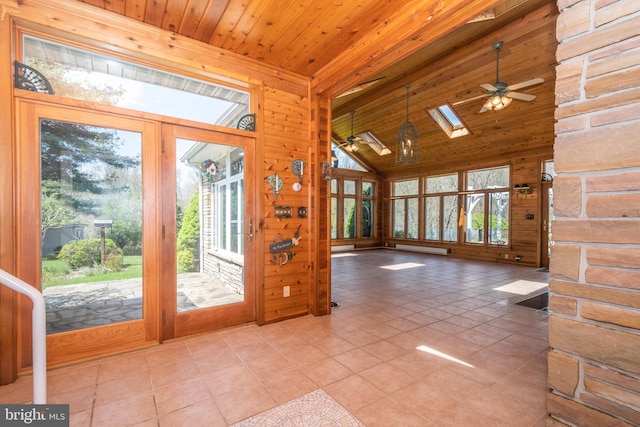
column 342, row 248
column 422, row 249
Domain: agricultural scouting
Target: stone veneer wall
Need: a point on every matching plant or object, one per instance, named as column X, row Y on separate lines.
column 594, row 328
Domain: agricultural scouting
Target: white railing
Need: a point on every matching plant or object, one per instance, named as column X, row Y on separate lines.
column 39, row 334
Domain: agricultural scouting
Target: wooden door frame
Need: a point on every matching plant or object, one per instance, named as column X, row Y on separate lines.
column 84, row 343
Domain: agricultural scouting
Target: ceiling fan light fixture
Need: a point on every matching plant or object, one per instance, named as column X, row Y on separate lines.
column 497, row 102
column 352, row 147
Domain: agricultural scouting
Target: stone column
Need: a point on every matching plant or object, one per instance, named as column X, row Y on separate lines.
column 594, row 328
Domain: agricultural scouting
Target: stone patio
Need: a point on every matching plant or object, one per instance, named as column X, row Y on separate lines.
column 93, row 304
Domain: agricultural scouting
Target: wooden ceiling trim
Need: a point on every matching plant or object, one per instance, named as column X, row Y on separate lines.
column 398, row 40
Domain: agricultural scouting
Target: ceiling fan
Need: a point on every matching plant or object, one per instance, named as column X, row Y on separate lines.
column 367, row 137
column 352, row 140
column 500, row 93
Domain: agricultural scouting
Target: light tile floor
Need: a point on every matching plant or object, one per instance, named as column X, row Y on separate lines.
column 418, row 340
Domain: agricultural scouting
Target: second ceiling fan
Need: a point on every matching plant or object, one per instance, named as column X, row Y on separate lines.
column 501, row 94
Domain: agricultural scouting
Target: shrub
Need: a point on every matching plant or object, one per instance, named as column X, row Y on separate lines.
column 86, row 253
column 188, row 236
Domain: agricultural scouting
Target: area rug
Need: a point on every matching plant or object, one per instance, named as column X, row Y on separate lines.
column 315, row 409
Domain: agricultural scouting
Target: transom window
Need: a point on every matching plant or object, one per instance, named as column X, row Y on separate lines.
column 89, row 76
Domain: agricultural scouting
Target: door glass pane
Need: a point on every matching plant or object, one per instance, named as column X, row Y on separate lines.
column 91, row 225
column 210, row 224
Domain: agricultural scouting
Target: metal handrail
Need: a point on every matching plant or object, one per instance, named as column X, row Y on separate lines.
column 39, row 334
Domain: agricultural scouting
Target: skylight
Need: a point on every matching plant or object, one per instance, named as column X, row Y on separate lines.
column 448, row 120
column 372, row 141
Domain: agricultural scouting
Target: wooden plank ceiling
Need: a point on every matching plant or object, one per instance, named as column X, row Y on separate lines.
column 442, row 49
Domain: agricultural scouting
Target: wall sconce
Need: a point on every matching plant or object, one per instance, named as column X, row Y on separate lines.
column 522, row 189
column 326, row 170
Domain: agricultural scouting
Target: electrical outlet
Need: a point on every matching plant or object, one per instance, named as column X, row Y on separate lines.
column 286, row 291
column 506, row 256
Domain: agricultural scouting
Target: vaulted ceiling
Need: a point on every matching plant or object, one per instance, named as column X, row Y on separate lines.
column 443, row 49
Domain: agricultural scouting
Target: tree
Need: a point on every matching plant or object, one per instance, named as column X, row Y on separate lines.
column 71, row 154
column 53, row 210
column 188, row 236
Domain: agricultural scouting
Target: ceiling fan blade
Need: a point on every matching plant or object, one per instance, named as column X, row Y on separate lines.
column 483, row 109
column 521, row 96
column 528, row 83
column 464, row 101
column 489, row 87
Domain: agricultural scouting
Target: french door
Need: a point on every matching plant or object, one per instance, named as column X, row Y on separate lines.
column 121, row 226
column 211, row 269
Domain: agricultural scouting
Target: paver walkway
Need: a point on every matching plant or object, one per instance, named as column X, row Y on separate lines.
column 93, row 304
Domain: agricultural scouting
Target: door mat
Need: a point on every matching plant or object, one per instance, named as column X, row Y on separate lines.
column 313, row 409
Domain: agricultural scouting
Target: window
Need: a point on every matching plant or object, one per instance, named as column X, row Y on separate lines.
column 487, row 206
column 344, row 160
column 441, row 208
column 405, row 209
column 228, row 192
column 367, row 209
column 81, row 74
column 449, row 121
column 352, row 205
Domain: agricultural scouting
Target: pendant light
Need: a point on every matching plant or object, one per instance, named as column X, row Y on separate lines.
column 407, row 140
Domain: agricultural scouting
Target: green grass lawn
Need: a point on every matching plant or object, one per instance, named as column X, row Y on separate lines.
column 57, row 273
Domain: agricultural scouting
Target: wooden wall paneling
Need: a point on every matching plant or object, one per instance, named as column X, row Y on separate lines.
column 319, row 298
column 286, row 130
column 8, row 337
column 27, row 219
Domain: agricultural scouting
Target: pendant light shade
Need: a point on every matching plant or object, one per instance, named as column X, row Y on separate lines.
column 407, row 140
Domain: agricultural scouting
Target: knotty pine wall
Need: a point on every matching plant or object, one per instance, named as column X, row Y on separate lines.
column 283, row 133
